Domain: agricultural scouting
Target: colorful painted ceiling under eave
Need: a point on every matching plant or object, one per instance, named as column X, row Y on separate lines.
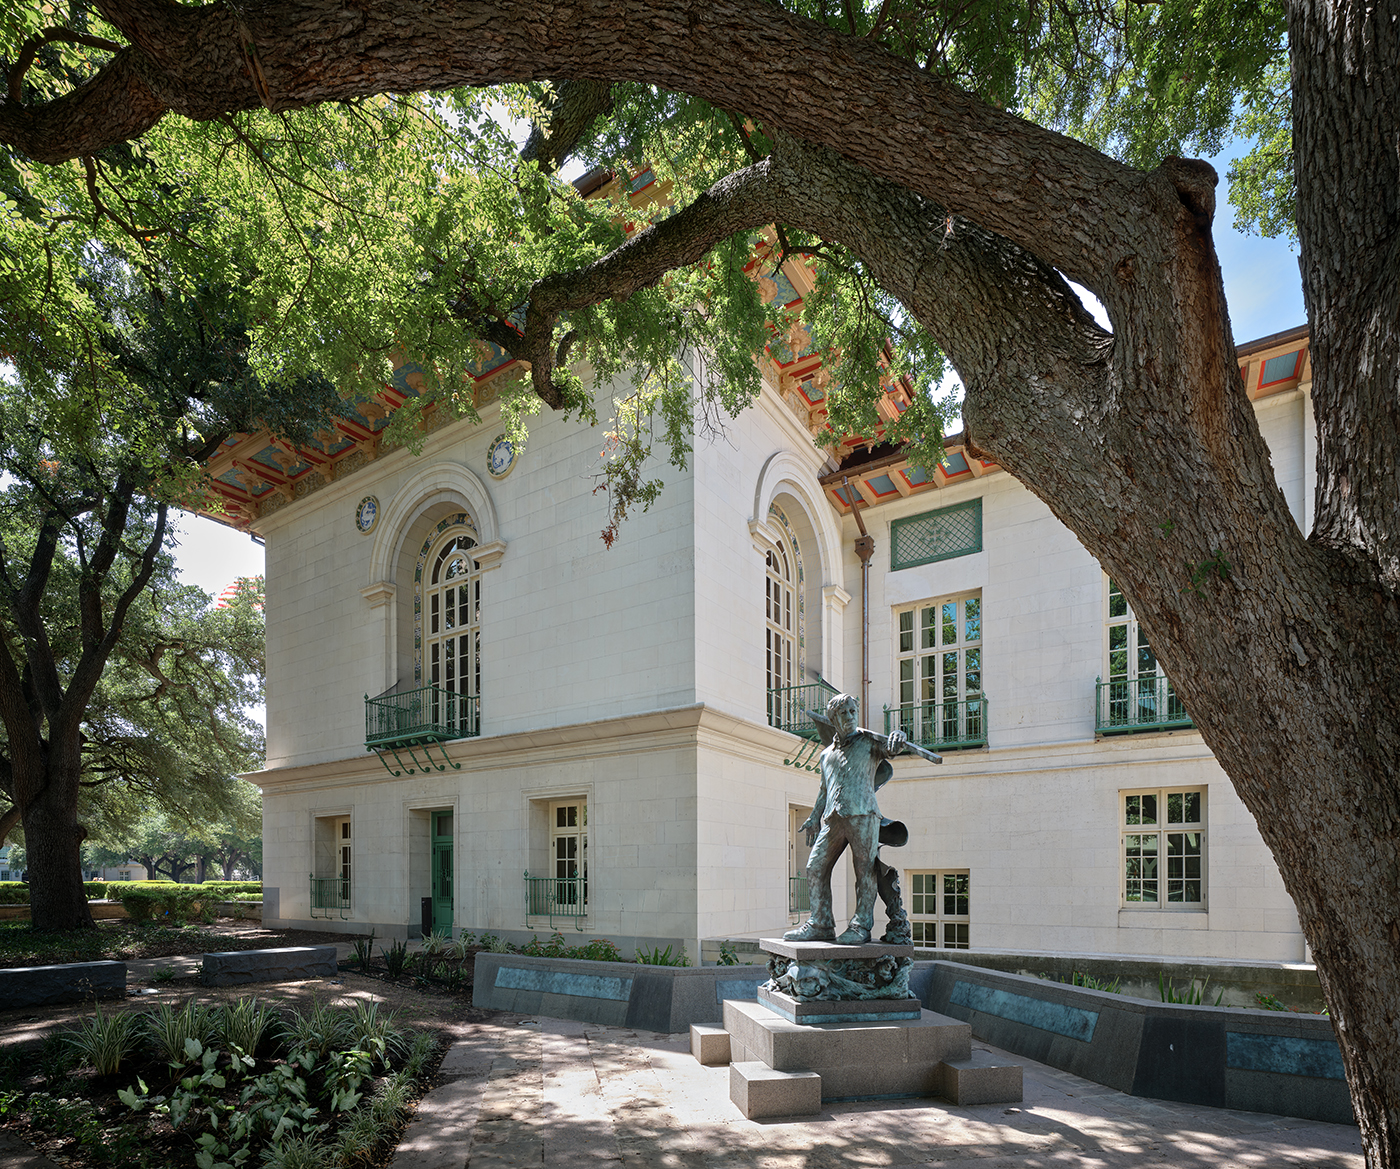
column 1270, row 365
column 255, row 474
column 886, row 476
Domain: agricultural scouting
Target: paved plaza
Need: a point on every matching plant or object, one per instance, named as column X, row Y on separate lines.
column 538, row 1091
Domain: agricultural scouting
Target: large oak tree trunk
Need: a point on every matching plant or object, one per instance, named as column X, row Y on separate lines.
column 53, row 838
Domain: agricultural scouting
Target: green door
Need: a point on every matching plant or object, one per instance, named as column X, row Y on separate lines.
column 442, row 871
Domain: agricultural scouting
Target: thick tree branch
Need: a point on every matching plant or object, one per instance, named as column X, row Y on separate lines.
column 577, row 104
column 878, row 110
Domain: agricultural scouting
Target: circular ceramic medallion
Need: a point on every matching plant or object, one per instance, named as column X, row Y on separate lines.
column 367, row 514
column 501, row 457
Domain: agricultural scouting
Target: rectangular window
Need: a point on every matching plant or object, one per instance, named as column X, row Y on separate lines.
column 938, row 910
column 1137, row 695
column 936, row 535
column 1163, row 847
column 938, row 658
column 562, row 891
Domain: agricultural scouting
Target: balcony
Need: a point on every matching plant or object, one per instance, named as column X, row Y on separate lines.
column 426, row 715
column 799, row 895
column 565, row 898
column 941, row 726
column 330, row 895
column 1125, row 706
column 788, row 707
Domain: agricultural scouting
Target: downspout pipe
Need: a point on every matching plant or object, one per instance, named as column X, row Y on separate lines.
column 865, row 549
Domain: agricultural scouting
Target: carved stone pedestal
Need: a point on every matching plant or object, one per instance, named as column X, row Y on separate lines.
column 882, row 1046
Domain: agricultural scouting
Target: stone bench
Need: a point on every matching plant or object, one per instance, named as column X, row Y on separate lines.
column 72, row 982
column 288, row 964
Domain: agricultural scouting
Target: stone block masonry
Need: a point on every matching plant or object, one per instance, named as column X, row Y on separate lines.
column 287, row 964
column 72, row 982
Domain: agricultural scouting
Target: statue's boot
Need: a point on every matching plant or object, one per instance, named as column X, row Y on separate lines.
column 854, row 936
column 811, row 932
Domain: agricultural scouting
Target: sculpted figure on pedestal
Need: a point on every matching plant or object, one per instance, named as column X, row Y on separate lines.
column 854, row 765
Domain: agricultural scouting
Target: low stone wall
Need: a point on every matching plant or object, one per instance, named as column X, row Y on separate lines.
column 100, row 910
column 242, row 910
column 1261, row 1061
column 71, row 982
column 286, row 964
column 1294, row 984
column 624, row 994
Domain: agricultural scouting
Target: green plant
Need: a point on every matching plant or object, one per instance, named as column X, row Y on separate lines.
column 436, row 943
column 299, row 1153
column 163, row 974
column 462, row 947
column 659, row 957
column 395, row 958
column 320, row 1029
column 1079, row 978
column 374, row 1032
column 95, row 890
column 161, row 902
column 364, row 951
column 171, row 1030
column 495, row 945
column 1192, row 996
column 597, row 950
column 14, row 893
column 727, row 954
column 105, row 1040
column 420, row 1050
column 244, row 1024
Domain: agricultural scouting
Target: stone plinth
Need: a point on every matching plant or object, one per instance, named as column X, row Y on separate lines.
column 759, row 1092
column 71, row 982
column 285, row 964
column 839, row 1010
column 900, row 1057
column 830, row 951
column 982, row 1079
column 709, row 1045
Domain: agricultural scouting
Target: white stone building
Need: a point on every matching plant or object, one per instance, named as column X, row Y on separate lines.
column 578, row 737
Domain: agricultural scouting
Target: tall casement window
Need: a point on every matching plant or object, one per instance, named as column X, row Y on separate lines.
column 938, row 909
column 452, row 634
column 939, row 663
column 780, row 610
column 345, row 857
column 568, row 851
column 1163, row 847
column 1137, row 695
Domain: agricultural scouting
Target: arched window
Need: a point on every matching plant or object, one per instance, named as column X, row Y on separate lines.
column 450, row 616
column 781, row 623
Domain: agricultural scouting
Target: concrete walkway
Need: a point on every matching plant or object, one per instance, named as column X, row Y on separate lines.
column 545, row 1092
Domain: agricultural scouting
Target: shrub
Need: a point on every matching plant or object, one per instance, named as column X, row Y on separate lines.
column 14, row 893
column 146, row 901
column 105, row 1040
column 231, row 890
column 659, row 957
column 95, row 890
column 169, row 1030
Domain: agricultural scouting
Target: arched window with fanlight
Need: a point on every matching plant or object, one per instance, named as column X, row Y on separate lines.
column 450, row 616
column 783, row 664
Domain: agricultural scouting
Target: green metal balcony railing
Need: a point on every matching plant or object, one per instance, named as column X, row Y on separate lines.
column 942, row 726
column 799, row 895
column 788, row 707
column 330, row 895
column 429, row 714
column 1138, row 704
column 557, row 897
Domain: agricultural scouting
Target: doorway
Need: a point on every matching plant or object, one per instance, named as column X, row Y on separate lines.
column 442, row 871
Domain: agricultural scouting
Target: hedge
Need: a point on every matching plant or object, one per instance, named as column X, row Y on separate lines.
column 145, row 901
column 95, row 890
column 228, row 890
column 14, row 893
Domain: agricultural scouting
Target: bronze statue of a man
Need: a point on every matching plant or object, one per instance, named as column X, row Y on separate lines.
column 854, row 764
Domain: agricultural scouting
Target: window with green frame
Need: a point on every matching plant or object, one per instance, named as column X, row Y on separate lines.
column 936, row 535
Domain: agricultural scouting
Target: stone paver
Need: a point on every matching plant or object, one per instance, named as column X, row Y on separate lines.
column 547, row 1092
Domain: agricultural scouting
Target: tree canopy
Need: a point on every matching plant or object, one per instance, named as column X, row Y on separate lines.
column 950, row 167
